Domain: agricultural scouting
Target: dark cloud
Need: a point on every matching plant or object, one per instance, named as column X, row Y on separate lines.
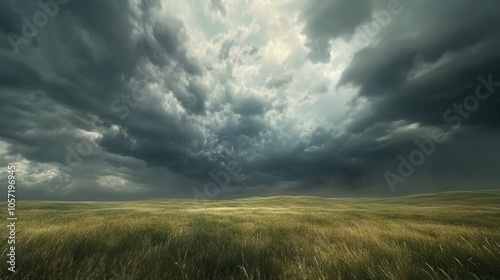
column 248, row 106
column 395, row 75
column 326, row 20
column 93, row 77
column 124, row 100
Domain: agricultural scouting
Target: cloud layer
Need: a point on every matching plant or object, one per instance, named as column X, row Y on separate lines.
column 142, row 98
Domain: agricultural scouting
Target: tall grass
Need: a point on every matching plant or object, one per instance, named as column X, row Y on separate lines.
column 425, row 237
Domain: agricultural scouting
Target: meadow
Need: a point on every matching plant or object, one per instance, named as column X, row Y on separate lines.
column 453, row 235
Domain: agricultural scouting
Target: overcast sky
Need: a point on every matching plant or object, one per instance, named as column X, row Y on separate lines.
column 134, row 99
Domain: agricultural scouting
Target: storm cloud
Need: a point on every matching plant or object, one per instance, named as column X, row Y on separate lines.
column 106, row 100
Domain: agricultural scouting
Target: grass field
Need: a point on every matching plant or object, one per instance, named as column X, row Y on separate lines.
column 453, row 235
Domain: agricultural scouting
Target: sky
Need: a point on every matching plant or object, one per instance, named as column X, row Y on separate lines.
column 139, row 99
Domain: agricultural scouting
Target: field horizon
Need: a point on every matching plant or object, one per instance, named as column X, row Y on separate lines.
column 448, row 235
column 440, row 193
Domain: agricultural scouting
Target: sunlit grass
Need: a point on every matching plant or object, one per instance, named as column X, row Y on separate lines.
column 445, row 236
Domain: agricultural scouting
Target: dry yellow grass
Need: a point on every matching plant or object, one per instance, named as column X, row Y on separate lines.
column 445, row 236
